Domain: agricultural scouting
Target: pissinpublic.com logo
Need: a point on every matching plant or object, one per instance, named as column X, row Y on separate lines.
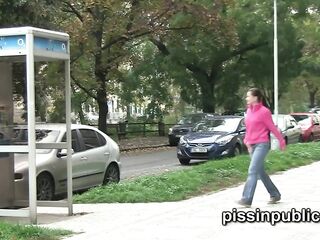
column 272, row 217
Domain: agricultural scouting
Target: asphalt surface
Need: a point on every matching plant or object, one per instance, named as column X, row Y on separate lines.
column 149, row 162
column 201, row 218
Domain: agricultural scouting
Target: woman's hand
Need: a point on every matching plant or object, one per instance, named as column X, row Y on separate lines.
column 249, row 147
column 282, row 145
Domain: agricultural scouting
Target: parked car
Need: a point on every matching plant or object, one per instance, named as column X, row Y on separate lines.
column 213, row 138
column 238, row 112
column 184, row 126
column 289, row 127
column 315, row 110
column 95, row 160
column 309, row 123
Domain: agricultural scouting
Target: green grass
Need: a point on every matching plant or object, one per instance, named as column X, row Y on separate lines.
column 198, row 179
column 26, row 232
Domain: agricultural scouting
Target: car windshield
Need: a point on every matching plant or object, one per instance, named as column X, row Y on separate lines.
column 218, row 125
column 42, row 136
column 302, row 119
column 190, row 119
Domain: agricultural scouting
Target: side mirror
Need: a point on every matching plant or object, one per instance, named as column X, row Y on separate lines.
column 289, row 127
column 242, row 130
column 63, row 153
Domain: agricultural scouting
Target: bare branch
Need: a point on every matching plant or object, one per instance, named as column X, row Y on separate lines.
column 160, row 45
column 246, row 49
column 124, row 38
column 191, row 67
column 87, row 91
column 73, row 10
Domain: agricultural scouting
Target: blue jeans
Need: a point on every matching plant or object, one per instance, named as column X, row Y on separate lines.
column 256, row 170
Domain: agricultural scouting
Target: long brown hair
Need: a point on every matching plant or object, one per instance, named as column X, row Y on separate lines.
column 257, row 93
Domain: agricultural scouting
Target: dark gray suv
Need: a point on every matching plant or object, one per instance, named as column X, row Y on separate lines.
column 185, row 125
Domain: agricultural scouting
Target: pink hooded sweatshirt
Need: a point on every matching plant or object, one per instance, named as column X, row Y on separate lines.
column 259, row 124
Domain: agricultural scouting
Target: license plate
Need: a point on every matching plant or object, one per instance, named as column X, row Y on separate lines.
column 178, row 136
column 199, row 150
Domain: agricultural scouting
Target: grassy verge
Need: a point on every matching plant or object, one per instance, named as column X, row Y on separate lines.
column 198, row 179
column 27, row 232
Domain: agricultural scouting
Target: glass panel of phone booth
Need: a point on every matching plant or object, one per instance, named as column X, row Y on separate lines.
column 14, row 123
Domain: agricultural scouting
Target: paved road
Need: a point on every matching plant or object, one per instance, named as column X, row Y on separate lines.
column 148, row 162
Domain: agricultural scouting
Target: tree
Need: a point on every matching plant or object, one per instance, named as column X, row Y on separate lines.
column 16, row 13
column 233, row 49
column 148, row 82
column 304, row 92
column 101, row 35
column 199, row 49
column 310, row 61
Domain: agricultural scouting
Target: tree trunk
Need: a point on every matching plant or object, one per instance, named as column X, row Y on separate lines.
column 81, row 116
column 128, row 111
column 103, row 110
column 101, row 74
column 207, row 96
column 101, row 94
column 101, row 77
column 312, row 98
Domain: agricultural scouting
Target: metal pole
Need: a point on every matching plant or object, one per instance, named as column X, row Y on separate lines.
column 275, row 54
column 31, row 129
column 69, row 137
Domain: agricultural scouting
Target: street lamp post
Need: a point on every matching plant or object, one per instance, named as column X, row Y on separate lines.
column 275, row 56
column 274, row 141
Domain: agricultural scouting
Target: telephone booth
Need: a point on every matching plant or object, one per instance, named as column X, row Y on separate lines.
column 28, row 45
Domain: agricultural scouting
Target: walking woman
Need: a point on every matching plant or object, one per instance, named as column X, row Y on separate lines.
column 259, row 124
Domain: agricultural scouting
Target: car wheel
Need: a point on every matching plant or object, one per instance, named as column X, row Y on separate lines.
column 236, row 151
column 112, row 174
column 300, row 139
column 45, row 187
column 311, row 138
column 184, row 161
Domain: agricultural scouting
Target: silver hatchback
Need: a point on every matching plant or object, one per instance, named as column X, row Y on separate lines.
column 95, row 160
column 290, row 129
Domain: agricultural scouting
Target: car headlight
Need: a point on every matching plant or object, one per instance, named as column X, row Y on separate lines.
column 182, row 141
column 224, row 140
column 170, row 130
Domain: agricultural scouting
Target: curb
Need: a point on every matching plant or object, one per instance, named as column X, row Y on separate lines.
column 142, row 147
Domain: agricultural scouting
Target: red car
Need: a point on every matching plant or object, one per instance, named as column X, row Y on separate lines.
column 309, row 123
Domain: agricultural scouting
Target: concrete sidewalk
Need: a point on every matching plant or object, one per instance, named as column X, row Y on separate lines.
column 143, row 143
column 199, row 218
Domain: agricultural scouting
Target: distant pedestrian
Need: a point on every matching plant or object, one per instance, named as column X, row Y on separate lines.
column 259, row 124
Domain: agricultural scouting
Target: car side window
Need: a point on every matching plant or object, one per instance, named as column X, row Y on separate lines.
column 90, row 138
column 292, row 121
column 75, row 142
column 101, row 139
column 288, row 123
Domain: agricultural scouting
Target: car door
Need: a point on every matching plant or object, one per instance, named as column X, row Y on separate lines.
column 242, row 131
column 295, row 130
column 79, row 161
column 97, row 154
column 288, row 130
column 316, row 126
